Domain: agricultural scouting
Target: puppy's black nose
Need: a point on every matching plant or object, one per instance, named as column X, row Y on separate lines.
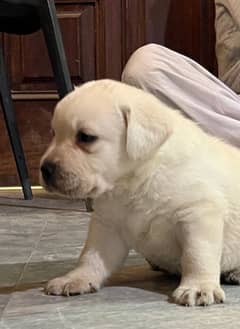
column 48, row 169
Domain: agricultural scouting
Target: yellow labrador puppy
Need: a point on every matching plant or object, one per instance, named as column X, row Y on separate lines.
column 160, row 185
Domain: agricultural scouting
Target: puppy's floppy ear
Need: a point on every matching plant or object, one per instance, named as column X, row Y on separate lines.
column 145, row 131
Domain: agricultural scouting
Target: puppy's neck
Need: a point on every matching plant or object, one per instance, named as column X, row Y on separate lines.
column 135, row 179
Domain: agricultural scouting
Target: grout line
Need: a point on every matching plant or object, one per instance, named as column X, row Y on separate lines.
column 31, row 254
column 3, row 311
column 21, row 275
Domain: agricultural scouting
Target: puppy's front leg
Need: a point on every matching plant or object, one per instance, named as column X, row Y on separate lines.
column 201, row 242
column 104, row 253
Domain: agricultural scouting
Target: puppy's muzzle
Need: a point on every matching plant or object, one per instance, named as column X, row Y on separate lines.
column 48, row 170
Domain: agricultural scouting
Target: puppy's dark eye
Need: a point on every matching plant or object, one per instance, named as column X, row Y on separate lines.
column 85, row 138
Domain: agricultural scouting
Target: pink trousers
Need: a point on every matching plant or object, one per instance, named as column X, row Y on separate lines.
column 184, row 84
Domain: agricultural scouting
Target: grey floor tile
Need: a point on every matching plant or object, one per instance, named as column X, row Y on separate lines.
column 41, row 321
column 4, row 299
column 114, row 307
column 10, row 274
column 20, row 230
column 41, row 200
column 43, row 239
column 44, row 271
column 56, row 253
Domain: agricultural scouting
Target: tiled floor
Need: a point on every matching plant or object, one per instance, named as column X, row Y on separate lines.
column 41, row 239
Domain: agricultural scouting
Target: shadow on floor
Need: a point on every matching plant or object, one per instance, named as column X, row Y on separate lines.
column 35, row 275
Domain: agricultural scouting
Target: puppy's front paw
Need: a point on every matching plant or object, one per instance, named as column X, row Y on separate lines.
column 200, row 295
column 68, row 286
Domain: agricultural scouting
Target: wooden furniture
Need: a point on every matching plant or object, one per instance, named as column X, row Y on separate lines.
column 25, row 17
column 99, row 36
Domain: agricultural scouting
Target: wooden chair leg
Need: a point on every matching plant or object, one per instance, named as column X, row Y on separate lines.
column 9, row 116
column 53, row 38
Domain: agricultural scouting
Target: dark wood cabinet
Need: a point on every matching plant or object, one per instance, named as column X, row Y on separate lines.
column 99, row 36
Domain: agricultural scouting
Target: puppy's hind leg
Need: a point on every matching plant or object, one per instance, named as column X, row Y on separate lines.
column 104, row 253
column 232, row 277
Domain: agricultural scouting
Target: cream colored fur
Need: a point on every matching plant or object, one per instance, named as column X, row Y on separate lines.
column 160, row 185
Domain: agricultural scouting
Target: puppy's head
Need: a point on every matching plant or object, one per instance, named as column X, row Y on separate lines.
column 102, row 131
